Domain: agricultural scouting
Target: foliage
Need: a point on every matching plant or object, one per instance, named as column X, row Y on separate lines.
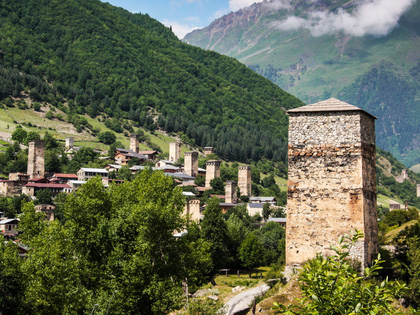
column 214, row 231
column 107, row 137
column 251, row 251
column 114, row 247
column 103, row 60
column 331, row 286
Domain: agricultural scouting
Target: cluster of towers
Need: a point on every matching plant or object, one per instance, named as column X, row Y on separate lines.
column 212, row 170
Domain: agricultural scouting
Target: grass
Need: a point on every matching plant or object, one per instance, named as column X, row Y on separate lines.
column 385, row 200
column 390, row 235
column 225, row 284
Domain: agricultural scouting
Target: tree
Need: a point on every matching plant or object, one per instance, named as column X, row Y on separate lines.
column 11, row 280
column 107, row 137
column 217, row 186
column 19, row 134
column 44, row 196
column 251, row 251
column 266, row 212
column 214, row 230
column 331, row 286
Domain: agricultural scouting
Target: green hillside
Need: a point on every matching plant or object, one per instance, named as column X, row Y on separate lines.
column 379, row 74
column 84, row 57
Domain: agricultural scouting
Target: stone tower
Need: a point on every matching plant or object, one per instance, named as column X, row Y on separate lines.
column 230, row 192
column 69, row 142
column 332, row 180
column 418, row 190
column 208, row 150
column 36, row 159
column 191, row 163
column 212, row 171
column 174, row 151
column 192, row 209
column 244, row 180
column 134, row 143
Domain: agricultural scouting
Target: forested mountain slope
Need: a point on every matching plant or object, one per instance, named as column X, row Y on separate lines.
column 377, row 73
column 89, row 57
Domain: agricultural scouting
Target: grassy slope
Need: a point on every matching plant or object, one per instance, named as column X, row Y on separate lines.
column 10, row 118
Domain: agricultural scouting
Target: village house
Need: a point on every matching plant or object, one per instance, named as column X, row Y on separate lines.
column 150, row 155
column 270, row 200
column 86, row 173
column 8, row 227
column 48, row 210
column 122, row 156
column 31, row 189
column 60, row 178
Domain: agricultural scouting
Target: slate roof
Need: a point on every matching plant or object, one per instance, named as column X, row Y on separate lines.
column 131, row 153
column 329, row 105
column 94, row 170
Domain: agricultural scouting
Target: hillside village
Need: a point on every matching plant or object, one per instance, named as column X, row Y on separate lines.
column 225, row 186
column 37, row 180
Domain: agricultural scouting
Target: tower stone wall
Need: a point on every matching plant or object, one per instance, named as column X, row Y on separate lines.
column 331, row 181
column 212, row 171
column 244, row 180
column 36, row 159
column 230, row 192
column 192, row 209
column 191, row 163
column 174, row 151
column 134, row 143
column 418, row 190
column 69, row 142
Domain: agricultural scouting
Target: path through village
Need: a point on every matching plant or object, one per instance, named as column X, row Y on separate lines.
column 243, row 300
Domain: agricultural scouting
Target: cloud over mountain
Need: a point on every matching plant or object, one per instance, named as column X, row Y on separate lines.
column 370, row 17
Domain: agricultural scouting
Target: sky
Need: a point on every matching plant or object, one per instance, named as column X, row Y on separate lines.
column 183, row 15
column 371, row 17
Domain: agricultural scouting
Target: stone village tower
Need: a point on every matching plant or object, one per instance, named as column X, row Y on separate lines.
column 332, row 180
column 36, row 159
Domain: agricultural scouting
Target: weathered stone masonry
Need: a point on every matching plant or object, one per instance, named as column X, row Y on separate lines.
column 332, row 181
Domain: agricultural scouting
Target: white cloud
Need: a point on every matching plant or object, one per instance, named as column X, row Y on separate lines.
column 218, row 14
column 192, row 19
column 371, row 17
column 180, row 30
column 236, row 5
column 279, row 4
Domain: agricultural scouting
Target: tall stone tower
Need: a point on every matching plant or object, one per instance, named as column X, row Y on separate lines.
column 192, row 209
column 174, row 151
column 191, row 163
column 36, row 159
column 332, row 180
column 244, row 180
column 212, row 171
column 230, row 192
column 134, row 143
column 418, row 190
column 69, row 142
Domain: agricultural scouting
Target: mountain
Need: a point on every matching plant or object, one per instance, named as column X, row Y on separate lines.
column 379, row 73
column 86, row 57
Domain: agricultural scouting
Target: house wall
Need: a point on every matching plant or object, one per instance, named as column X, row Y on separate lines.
column 331, row 184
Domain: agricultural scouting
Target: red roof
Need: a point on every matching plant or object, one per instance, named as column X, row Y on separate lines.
column 39, row 179
column 65, row 175
column 44, row 185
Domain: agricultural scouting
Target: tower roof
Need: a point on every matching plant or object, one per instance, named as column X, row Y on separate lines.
column 330, row 105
